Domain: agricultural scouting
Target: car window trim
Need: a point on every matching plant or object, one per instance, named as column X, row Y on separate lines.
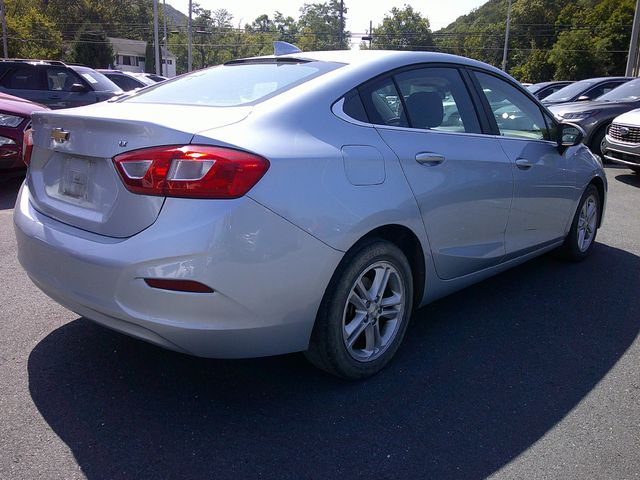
column 417, row 66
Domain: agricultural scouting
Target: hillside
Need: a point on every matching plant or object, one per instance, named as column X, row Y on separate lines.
column 562, row 39
column 175, row 17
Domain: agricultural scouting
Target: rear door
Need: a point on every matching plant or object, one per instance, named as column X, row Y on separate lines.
column 544, row 179
column 461, row 179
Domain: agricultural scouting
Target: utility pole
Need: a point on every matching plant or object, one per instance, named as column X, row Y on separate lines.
column 156, row 47
column 189, row 40
column 632, row 59
column 166, row 39
column 506, row 39
column 369, row 36
column 341, row 23
column 3, row 19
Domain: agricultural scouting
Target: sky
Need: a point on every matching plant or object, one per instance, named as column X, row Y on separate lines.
column 440, row 13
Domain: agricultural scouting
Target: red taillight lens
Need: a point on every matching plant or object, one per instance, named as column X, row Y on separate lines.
column 27, row 146
column 193, row 171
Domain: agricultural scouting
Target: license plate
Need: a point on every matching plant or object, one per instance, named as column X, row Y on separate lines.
column 76, row 178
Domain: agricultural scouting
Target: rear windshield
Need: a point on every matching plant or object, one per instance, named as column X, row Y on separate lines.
column 233, row 85
column 570, row 91
column 98, row 81
column 627, row 92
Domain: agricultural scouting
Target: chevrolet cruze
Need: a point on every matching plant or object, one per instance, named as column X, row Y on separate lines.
column 300, row 202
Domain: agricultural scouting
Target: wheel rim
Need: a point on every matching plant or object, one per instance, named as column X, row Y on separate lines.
column 373, row 312
column 603, row 145
column 587, row 223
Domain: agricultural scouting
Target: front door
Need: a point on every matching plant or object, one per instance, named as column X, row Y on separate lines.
column 544, row 184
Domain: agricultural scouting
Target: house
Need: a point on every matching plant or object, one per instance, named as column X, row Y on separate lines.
column 130, row 56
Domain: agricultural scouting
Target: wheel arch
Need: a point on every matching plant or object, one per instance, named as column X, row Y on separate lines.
column 407, row 241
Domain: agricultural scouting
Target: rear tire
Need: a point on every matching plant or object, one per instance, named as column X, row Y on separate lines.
column 364, row 313
column 584, row 227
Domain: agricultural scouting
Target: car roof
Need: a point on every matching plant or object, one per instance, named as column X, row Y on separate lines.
column 604, row 79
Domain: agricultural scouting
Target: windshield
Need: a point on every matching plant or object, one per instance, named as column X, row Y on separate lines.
column 627, row 92
column 234, row 84
column 535, row 87
column 98, row 81
column 570, row 91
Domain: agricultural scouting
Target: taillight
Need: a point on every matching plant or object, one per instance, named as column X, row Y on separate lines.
column 193, row 171
column 27, row 146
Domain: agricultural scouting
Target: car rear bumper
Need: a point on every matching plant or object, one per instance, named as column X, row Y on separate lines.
column 268, row 276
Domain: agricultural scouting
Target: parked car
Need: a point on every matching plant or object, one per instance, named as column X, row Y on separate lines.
column 154, row 77
column 15, row 120
column 623, row 140
column 594, row 117
column 303, row 202
column 127, row 81
column 543, row 89
column 585, row 90
column 54, row 83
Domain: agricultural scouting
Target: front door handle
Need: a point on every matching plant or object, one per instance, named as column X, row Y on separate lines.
column 429, row 158
column 523, row 164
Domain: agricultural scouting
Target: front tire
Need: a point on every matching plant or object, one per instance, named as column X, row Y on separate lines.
column 598, row 143
column 584, row 227
column 364, row 313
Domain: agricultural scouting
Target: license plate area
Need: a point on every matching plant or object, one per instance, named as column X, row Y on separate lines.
column 76, row 179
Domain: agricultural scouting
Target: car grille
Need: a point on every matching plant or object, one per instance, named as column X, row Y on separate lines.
column 624, row 133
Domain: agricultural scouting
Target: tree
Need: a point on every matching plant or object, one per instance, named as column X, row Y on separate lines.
column 92, row 48
column 403, row 29
column 31, row 34
column 319, row 27
column 575, row 56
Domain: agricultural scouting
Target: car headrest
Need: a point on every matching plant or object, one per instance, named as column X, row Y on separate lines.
column 425, row 109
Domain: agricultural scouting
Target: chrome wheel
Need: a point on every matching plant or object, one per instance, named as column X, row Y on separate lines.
column 373, row 312
column 587, row 223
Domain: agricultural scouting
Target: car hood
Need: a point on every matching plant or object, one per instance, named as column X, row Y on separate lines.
column 630, row 118
column 577, row 107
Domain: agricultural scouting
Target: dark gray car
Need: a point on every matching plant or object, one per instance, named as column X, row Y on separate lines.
column 54, row 83
column 594, row 117
column 543, row 89
column 585, row 90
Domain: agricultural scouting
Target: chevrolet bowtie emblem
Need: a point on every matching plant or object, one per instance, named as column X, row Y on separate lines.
column 59, row 135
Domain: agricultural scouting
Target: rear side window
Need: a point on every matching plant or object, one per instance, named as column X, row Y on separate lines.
column 235, row 84
column 124, row 82
column 383, row 104
column 354, row 108
column 23, row 78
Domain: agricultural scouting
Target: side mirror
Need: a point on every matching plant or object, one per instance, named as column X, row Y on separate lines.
column 78, row 88
column 582, row 98
column 569, row 135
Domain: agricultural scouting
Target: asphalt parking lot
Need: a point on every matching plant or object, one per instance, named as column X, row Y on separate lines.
column 532, row 374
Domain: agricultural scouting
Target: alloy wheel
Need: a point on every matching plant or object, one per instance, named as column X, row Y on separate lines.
column 587, row 223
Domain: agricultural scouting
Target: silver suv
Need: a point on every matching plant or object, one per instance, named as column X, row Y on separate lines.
column 623, row 140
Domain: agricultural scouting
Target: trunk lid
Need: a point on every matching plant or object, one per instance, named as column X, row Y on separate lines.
column 72, row 177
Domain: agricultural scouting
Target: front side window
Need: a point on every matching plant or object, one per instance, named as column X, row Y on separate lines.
column 61, row 80
column 233, row 84
column 516, row 115
column 437, row 99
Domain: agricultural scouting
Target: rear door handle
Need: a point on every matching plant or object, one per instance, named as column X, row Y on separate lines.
column 523, row 164
column 429, row 158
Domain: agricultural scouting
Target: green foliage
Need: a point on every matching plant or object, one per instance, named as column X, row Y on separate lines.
column 319, row 27
column 403, row 29
column 550, row 39
column 30, row 33
column 92, row 48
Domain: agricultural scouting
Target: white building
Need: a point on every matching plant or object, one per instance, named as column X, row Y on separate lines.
column 130, row 56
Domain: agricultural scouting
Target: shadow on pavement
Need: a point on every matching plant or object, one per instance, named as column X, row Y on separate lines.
column 9, row 187
column 630, row 179
column 482, row 375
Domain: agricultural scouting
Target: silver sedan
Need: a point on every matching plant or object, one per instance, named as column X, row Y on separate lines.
column 301, row 202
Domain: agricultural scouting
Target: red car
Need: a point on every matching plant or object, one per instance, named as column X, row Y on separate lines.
column 15, row 121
